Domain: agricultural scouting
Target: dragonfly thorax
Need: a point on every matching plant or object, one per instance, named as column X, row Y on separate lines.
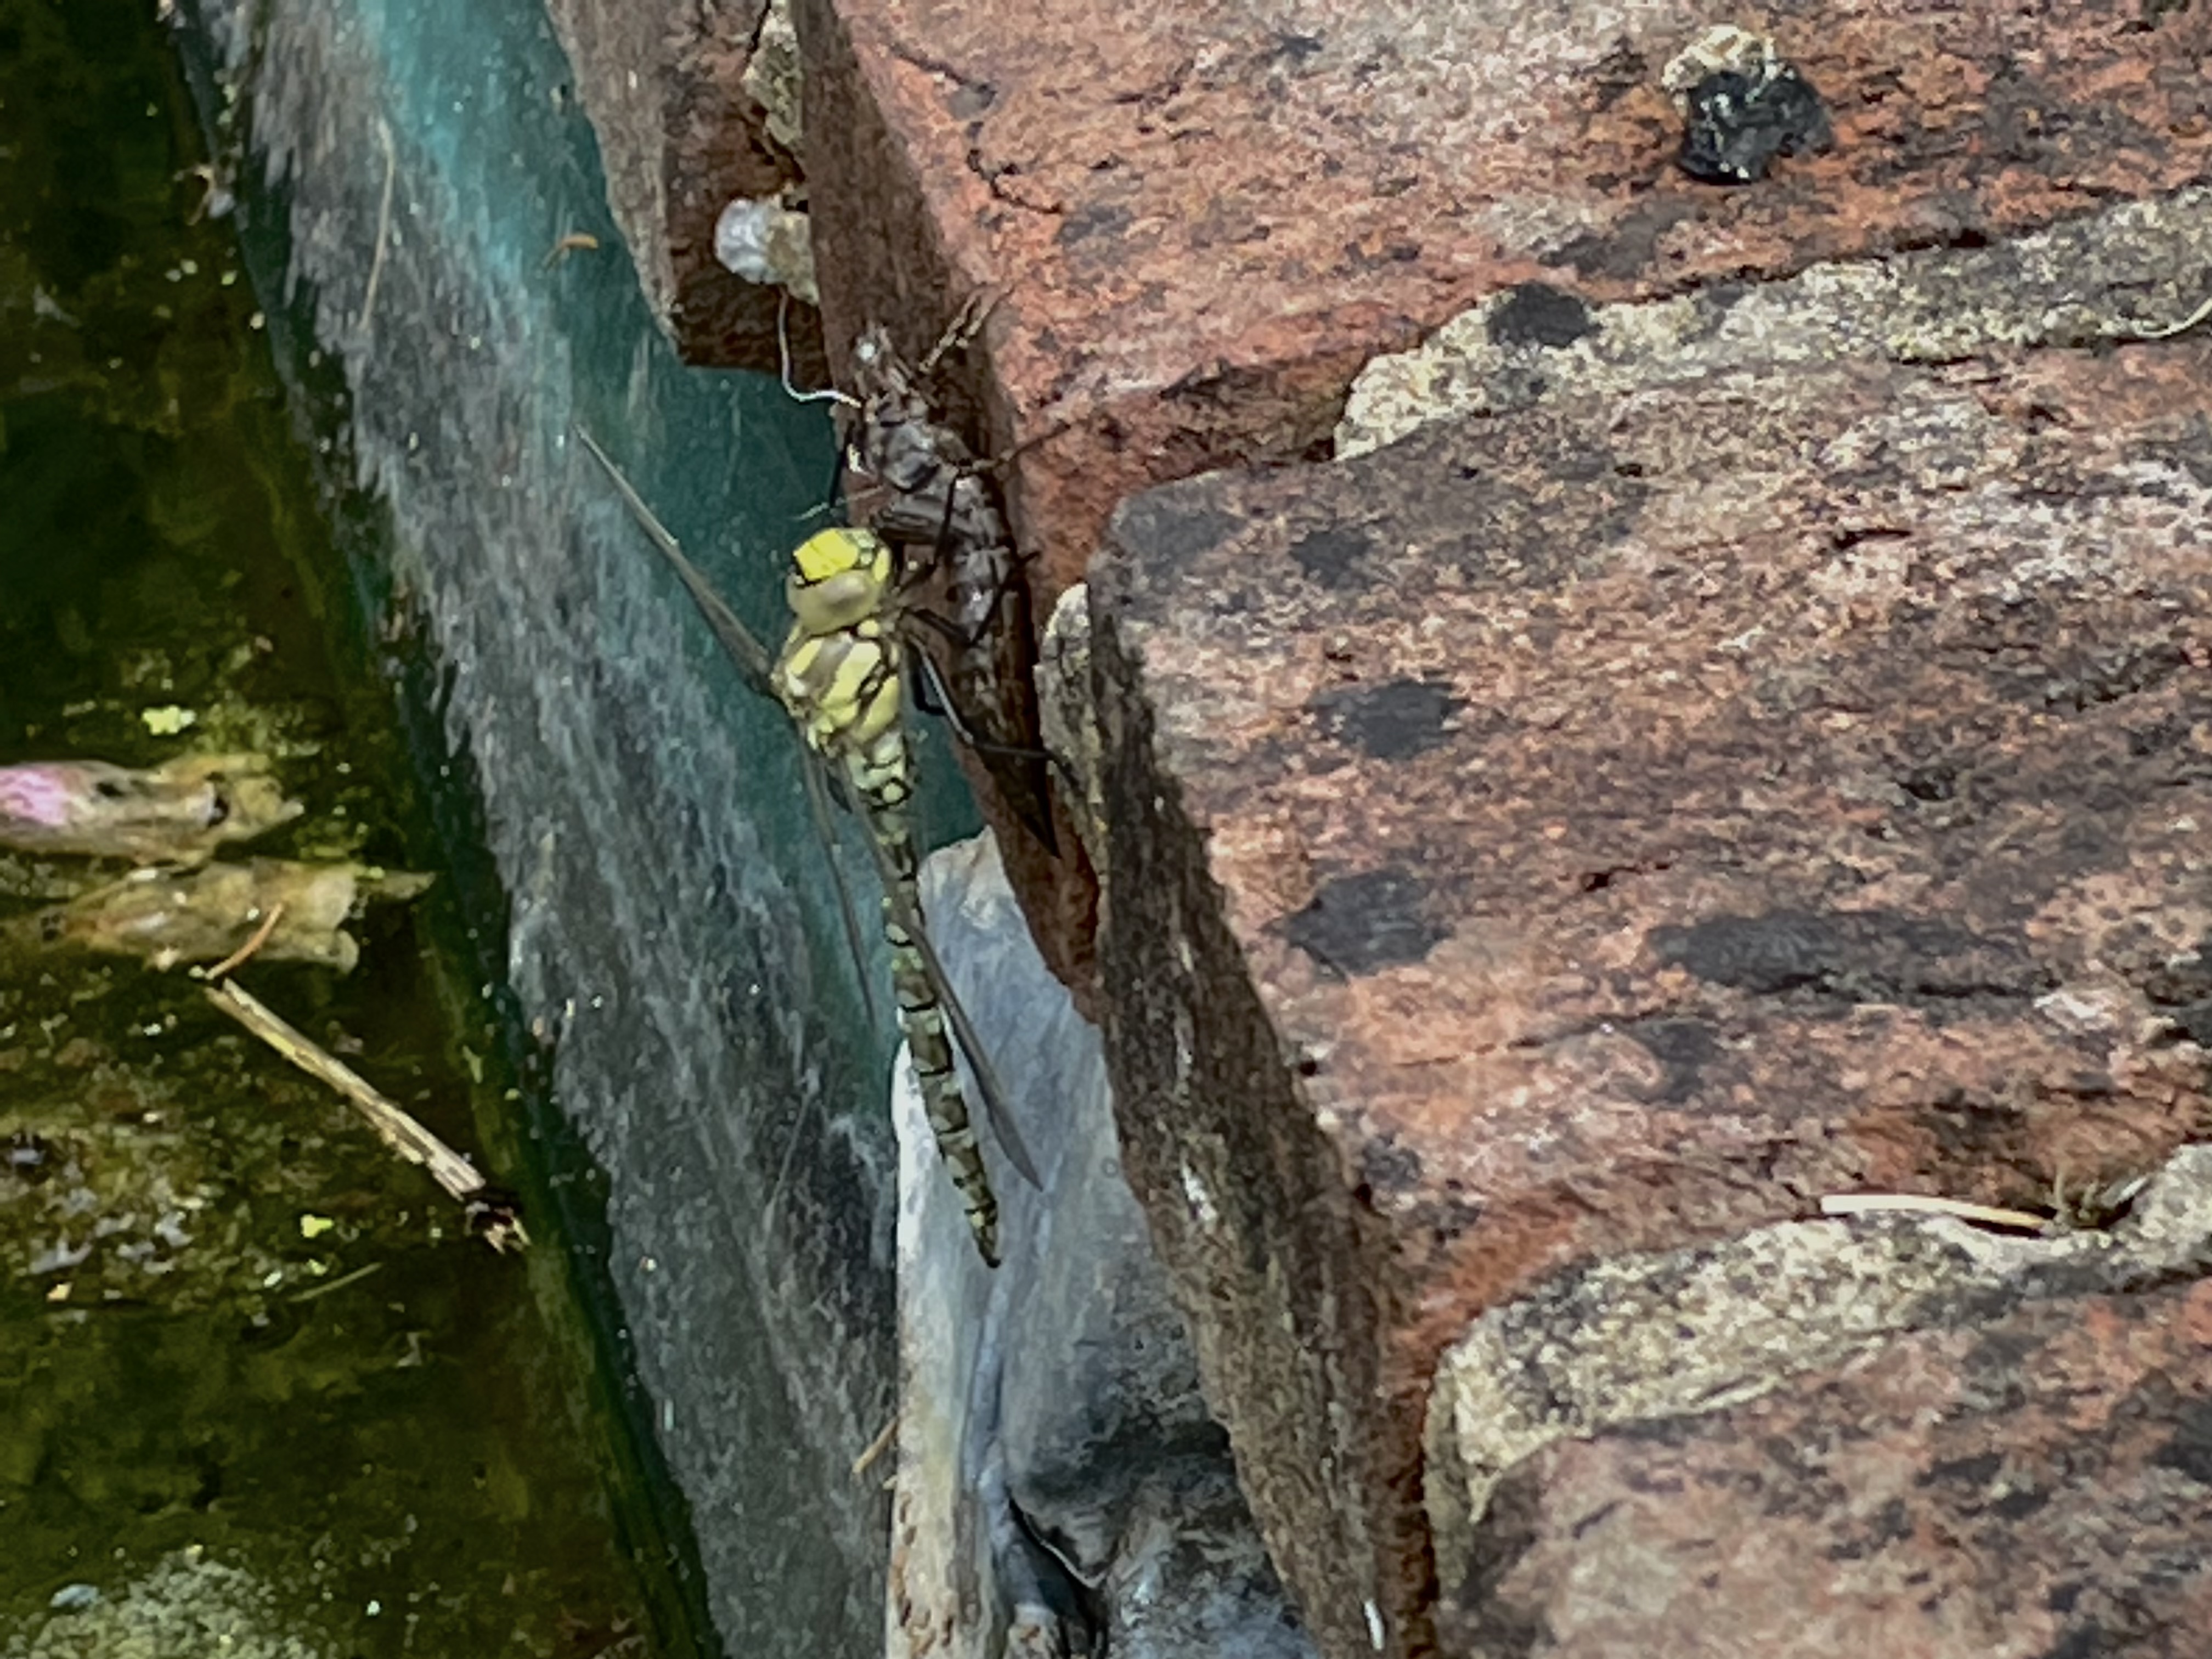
column 838, row 578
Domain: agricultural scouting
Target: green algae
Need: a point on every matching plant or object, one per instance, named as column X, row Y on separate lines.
column 261, row 1393
column 188, row 1606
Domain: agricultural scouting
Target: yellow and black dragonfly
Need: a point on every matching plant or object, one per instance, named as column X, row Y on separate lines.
column 842, row 676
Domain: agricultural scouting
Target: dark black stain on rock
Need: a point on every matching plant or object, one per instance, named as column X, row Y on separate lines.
column 1358, row 924
column 1937, row 781
column 1864, row 955
column 1683, row 1046
column 1798, row 1487
column 1714, row 301
column 1096, row 219
column 1334, row 556
column 1449, row 1216
column 2019, row 1503
column 1386, row 1167
column 1627, row 249
column 2192, row 451
column 2085, row 1641
column 2126, row 671
column 1971, row 1131
column 1174, row 524
column 1536, row 314
column 1622, row 71
column 2181, row 988
column 1495, row 528
column 1509, row 1528
column 1976, row 1472
column 1738, row 123
column 1890, row 1524
column 1395, row 720
column 2188, row 1451
column 2156, row 738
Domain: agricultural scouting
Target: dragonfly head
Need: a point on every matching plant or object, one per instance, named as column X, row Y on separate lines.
column 838, row 578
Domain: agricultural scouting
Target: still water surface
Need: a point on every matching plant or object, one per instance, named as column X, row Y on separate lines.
column 256, row 1382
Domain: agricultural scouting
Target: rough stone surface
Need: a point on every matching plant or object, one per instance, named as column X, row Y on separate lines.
column 1613, row 1408
column 680, row 138
column 1619, row 823
column 1187, row 209
column 1202, row 220
column 1061, row 1485
column 2117, row 277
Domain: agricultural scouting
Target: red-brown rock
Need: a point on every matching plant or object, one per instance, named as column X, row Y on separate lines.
column 1619, row 823
column 2030, row 1487
column 1202, row 220
column 679, row 137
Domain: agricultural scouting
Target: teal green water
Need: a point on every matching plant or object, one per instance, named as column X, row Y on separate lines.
column 255, row 1382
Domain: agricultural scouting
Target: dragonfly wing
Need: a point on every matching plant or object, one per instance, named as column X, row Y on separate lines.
column 817, row 807
column 751, row 658
column 986, row 1078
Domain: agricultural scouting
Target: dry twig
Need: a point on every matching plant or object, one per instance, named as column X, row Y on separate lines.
column 1987, row 1215
column 876, row 1447
column 244, row 954
column 2181, row 327
column 492, row 1212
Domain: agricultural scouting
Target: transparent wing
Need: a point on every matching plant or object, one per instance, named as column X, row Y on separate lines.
column 817, row 807
column 753, row 665
column 986, row 1079
column 752, row 659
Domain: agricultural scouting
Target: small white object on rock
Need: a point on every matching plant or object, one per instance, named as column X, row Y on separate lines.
column 761, row 240
column 1724, row 49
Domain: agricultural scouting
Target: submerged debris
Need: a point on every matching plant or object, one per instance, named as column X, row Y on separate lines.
column 178, row 813
column 167, row 917
column 491, row 1212
column 188, row 1606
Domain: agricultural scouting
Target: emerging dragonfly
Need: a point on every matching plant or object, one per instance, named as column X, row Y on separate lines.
column 937, row 498
column 841, row 676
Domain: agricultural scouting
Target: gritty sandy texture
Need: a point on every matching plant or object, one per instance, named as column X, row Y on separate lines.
column 2027, row 1483
column 1200, row 224
column 2140, row 268
column 1699, row 1333
column 187, row 1607
column 1619, row 822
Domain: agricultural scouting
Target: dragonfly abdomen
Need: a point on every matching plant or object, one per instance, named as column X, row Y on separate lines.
column 922, row 1019
column 840, row 675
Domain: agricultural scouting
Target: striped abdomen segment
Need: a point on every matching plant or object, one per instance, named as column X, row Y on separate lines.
column 922, row 1017
column 842, row 688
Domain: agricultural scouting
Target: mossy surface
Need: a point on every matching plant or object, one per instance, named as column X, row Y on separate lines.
column 259, row 1393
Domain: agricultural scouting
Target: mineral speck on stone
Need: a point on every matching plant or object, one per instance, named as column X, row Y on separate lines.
column 774, row 77
column 1742, row 107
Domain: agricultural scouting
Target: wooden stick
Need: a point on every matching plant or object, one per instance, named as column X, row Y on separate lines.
column 876, row 1447
column 241, row 955
column 1920, row 1203
column 339, row 1284
column 393, row 1127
